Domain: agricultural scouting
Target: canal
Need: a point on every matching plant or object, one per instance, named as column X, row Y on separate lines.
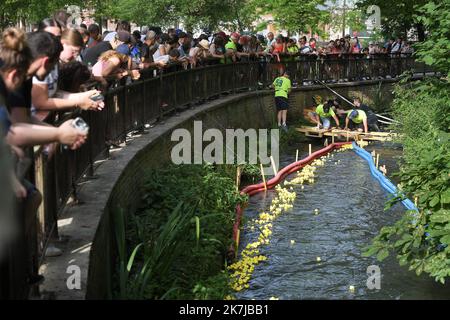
column 351, row 212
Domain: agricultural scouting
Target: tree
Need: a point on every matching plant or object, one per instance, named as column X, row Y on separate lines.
column 435, row 49
column 397, row 16
column 354, row 17
column 13, row 11
column 421, row 240
column 297, row 15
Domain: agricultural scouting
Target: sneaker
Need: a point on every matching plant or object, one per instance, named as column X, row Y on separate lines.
column 52, row 251
column 284, row 127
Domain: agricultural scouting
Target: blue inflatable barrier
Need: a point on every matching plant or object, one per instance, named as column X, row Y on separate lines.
column 383, row 180
column 388, row 185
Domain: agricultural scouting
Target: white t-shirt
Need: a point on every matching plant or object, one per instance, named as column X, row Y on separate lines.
column 165, row 58
column 51, row 80
column 157, row 54
column 110, row 36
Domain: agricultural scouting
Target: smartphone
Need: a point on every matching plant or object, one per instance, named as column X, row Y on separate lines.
column 98, row 97
column 80, row 124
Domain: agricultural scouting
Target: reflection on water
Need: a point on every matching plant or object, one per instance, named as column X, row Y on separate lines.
column 351, row 205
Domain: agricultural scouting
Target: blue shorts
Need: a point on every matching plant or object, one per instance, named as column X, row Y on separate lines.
column 325, row 121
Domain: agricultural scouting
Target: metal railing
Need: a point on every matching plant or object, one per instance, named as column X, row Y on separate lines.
column 148, row 100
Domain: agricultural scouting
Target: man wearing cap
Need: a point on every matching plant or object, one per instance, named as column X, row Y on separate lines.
column 372, row 119
column 149, row 47
column 231, row 46
column 184, row 44
column 282, row 87
column 357, row 117
column 323, row 114
column 127, row 41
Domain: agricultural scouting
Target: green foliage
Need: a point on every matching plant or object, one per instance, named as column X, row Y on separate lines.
column 31, row 10
column 397, row 16
column 194, row 14
column 180, row 236
column 296, row 15
column 421, row 240
column 354, row 17
column 436, row 48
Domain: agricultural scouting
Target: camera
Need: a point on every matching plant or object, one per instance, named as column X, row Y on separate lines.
column 97, row 97
column 80, row 124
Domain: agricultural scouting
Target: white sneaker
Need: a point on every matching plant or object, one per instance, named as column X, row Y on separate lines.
column 53, row 251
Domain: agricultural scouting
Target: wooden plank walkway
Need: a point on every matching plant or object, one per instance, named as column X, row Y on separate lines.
column 314, row 132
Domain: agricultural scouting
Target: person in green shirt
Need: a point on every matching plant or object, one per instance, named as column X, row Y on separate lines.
column 358, row 118
column 323, row 114
column 282, row 87
column 231, row 48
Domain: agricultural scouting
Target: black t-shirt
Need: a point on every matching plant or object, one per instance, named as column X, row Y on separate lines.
column 371, row 117
column 147, row 52
column 21, row 98
column 91, row 55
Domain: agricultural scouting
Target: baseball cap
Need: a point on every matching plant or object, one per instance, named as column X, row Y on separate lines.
column 150, row 35
column 124, row 36
column 235, row 35
column 353, row 114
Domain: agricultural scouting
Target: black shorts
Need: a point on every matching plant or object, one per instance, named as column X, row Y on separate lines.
column 281, row 103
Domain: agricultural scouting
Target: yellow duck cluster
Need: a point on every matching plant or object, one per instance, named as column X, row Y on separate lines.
column 250, row 257
column 306, row 175
column 242, row 270
column 346, row 147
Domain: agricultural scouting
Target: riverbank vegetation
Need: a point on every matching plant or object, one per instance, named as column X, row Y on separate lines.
column 421, row 240
column 175, row 246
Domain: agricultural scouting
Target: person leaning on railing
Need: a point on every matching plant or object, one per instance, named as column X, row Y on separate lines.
column 199, row 54
column 45, row 94
column 149, row 47
column 217, row 48
column 111, row 65
column 18, row 61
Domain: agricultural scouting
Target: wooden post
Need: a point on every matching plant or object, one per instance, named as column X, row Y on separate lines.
column 332, row 137
column 378, row 160
column 263, row 177
column 416, row 201
column 238, row 177
column 238, row 235
column 347, row 136
column 310, row 149
column 273, row 166
column 296, row 156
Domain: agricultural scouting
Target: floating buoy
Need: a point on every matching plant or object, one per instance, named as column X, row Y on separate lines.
column 292, row 242
column 351, row 289
column 318, row 259
column 316, row 211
